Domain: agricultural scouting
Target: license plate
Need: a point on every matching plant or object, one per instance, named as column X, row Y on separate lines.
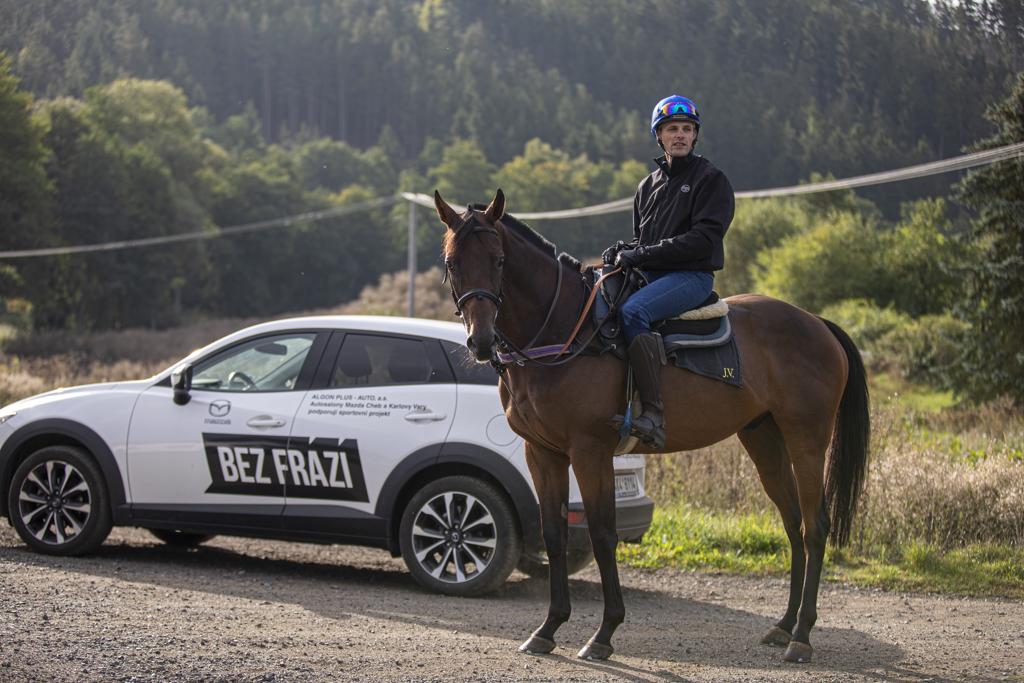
column 626, row 486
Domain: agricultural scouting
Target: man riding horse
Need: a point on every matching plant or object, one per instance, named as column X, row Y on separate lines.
column 680, row 215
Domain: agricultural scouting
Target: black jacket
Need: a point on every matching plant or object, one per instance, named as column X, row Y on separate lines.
column 680, row 215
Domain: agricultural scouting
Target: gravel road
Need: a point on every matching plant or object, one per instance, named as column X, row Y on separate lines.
column 254, row 610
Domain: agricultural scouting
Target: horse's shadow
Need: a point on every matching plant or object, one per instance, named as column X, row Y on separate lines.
column 699, row 633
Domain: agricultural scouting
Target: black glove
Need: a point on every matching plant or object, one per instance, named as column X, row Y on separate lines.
column 609, row 254
column 628, row 258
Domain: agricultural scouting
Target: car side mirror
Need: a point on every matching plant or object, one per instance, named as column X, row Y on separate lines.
column 181, row 382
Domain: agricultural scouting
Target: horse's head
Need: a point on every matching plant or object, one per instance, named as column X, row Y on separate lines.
column 474, row 256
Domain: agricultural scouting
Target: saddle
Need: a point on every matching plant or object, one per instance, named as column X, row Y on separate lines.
column 699, row 340
column 705, row 326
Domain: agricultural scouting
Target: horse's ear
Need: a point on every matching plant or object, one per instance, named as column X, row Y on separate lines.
column 444, row 212
column 496, row 209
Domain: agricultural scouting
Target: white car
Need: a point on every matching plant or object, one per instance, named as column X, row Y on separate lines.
column 375, row 431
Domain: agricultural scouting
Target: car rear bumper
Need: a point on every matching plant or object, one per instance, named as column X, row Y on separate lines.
column 632, row 520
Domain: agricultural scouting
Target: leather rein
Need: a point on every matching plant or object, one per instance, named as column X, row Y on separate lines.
column 496, row 298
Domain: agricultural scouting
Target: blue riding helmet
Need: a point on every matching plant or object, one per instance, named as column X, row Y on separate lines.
column 674, row 107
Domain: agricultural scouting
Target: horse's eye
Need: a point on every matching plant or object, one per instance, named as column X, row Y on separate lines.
column 450, row 266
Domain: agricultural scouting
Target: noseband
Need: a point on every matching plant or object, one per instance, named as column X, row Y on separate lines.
column 469, row 228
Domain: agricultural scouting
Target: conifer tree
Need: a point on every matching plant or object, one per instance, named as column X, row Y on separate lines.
column 992, row 363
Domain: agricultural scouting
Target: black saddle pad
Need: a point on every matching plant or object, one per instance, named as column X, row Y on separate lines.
column 720, row 362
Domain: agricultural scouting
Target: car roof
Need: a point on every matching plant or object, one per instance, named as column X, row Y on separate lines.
column 421, row 327
column 375, row 323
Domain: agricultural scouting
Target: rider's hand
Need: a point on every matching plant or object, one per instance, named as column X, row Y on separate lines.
column 608, row 257
column 628, row 258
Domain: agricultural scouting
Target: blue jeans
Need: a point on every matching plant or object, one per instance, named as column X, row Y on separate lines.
column 667, row 295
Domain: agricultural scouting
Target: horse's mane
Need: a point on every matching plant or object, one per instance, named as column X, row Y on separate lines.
column 533, row 237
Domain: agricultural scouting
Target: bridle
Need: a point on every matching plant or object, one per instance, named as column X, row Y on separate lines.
column 470, row 227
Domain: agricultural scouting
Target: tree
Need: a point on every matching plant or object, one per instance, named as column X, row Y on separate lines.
column 464, row 173
column 24, row 188
column 992, row 363
column 543, row 178
column 125, row 163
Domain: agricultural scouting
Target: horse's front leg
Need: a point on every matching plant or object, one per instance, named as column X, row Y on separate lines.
column 550, row 472
column 596, row 476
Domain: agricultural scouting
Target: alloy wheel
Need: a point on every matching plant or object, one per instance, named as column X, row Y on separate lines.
column 54, row 502
column 454, row 537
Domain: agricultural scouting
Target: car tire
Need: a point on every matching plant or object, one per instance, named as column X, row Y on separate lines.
column 439, row 552
column 181, row 539
column 536, row 566
column 58, row 502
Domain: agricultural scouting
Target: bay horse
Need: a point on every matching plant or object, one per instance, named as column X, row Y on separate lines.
column 802, row 413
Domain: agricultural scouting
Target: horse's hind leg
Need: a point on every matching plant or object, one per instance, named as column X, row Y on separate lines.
column 767, row 449
column 595, row 474
column 550, row 472
column 807, row 444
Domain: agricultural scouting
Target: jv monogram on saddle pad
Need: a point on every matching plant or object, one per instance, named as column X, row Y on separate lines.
column 699, row 340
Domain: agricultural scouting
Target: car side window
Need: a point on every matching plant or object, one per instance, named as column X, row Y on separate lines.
column 372, row 360
column 467, row 370
column 264, row 364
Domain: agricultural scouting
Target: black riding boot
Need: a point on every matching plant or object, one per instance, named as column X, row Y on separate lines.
column 646, row 356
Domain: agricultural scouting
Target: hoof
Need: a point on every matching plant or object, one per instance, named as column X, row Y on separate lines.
column 777, row 636
column 537, row 646
column 595, row 651
column 798, row 653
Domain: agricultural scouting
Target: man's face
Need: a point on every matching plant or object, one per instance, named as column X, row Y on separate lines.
column 677, row 137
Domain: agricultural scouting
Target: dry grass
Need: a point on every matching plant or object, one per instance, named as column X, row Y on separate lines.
column 139, row 345
column 948, row 479
column 20, row 378
column 390, row 297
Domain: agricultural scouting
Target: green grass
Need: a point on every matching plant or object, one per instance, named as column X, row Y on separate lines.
column 687, row 538
column 917, row 397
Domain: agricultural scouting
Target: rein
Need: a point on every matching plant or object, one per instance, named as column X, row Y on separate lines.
column 524, row 354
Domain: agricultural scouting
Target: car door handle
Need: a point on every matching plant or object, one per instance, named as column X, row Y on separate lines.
column 266, row 422
column 425, row 416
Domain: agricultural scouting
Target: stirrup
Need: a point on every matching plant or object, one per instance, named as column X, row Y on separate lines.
column 655, row 436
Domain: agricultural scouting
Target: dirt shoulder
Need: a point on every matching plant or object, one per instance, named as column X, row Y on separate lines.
column 254, row 610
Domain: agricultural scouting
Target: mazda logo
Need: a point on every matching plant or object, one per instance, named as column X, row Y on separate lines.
column 220, row 408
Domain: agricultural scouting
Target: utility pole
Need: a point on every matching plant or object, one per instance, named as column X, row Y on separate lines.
column 411, row 265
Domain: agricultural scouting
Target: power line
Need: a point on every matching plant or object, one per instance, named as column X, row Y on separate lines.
column 959, row 163
column 988, row 156
column 286, row 221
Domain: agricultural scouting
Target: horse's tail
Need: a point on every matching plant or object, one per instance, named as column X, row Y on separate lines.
column 848, row 454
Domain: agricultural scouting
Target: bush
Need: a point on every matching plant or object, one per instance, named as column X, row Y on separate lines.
column 925, row 350
column 920, row 260
column 846, row 255
column 864, row 321
column 835, row 260
column 758, row 225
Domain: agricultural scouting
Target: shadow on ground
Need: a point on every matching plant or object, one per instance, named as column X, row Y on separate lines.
column 659, row 625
